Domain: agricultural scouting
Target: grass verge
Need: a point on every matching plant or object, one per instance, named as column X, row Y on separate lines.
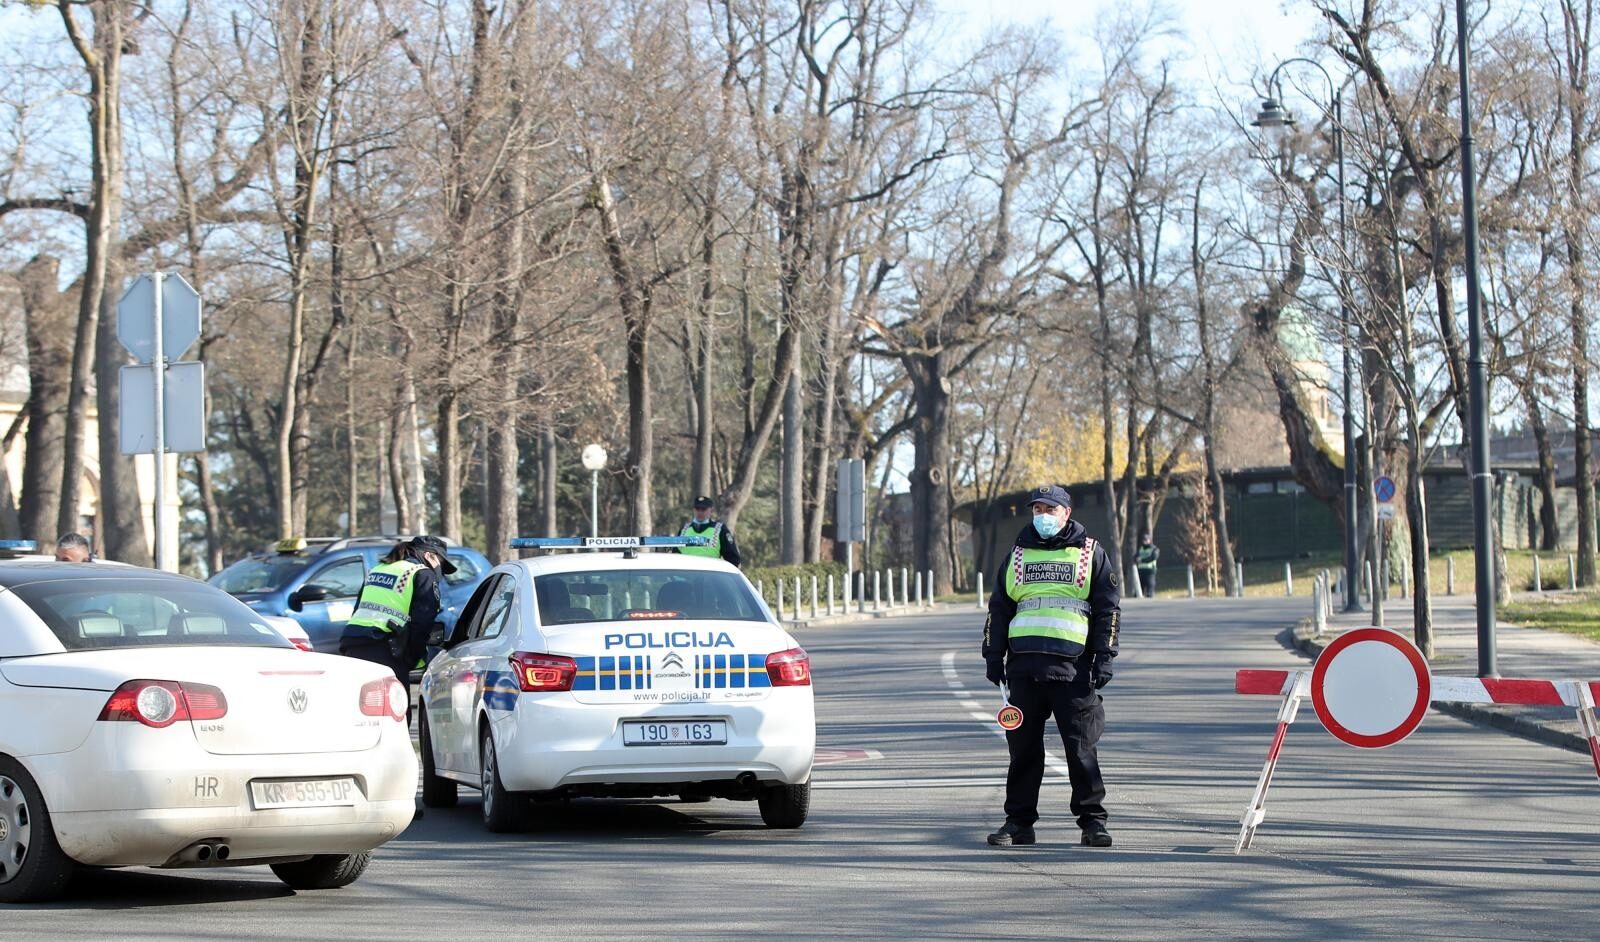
column 1573, row 613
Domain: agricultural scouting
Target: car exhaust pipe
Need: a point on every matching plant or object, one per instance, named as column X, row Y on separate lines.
column 204, row 853
column 222, row 852
column 745, row 780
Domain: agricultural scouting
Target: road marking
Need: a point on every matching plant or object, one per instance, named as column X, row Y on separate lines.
column 833, row 756
column 968, row 782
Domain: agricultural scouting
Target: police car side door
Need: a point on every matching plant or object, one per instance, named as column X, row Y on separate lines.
column 481, row 675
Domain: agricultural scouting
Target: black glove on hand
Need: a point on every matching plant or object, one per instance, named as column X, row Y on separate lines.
column 1100, row 670
column 995, row 671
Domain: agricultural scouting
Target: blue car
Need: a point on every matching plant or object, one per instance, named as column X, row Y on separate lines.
column 317, row 581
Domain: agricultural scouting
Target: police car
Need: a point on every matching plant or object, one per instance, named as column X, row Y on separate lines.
column 620, row 673
column 316, row 581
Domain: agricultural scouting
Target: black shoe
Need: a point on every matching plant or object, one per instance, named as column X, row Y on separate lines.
column 1012, row 835
column 1096, row 835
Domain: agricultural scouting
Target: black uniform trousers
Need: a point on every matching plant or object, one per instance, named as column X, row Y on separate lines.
column 378, row 651
column 1081, row 719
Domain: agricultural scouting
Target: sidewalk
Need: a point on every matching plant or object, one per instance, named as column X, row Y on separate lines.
column 853, row 617
column 1521, row 653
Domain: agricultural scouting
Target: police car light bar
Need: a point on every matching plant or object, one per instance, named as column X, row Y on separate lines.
column 11, row 548
column 605, row 542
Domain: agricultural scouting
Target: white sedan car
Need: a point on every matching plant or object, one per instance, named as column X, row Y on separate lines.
column 147, row 719
column 618, row 675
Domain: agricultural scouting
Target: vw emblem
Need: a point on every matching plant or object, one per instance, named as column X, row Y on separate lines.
column 298, row 700
column 5, row 827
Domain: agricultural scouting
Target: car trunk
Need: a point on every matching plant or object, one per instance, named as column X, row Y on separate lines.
column 279, row 700
column 669, row 661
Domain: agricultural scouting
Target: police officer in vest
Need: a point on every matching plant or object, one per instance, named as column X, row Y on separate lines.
column 1051, row 633
column 702, row 524
column 1145, row 561
column 398, row 605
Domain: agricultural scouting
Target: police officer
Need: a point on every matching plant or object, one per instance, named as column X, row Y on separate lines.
column 1052, row 632
column 398, row 605
column 1145, row 562
column 702, row 524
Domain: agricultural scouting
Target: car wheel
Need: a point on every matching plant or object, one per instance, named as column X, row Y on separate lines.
column 32, row 865
column 324, row 871
column 785, row 806
column 437, row 792
column 503, row 811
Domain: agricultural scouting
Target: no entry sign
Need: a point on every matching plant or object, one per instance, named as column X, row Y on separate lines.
column 1370, row 688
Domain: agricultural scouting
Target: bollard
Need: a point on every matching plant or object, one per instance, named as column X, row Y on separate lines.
column 877, row 590
column 1319, row 611
column 1405, row 581
column 779, row 583
column 980, row 588
column 813, row 596
column 1327, row 591
column 1449, row 575
column 1288, row 579
column 796, row 598
column 927, row 598
column 905, row 585
column 830, row 595
column 1133, row 582
column 1189, row 575
column 890, row 598
column 1538, row 578
column 1239, row 569
column 761, row 589
column 917, row 588
column 1572, row 571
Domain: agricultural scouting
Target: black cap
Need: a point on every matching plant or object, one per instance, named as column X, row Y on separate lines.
column 1053, row 494
column 433, row 544
column 704, row 503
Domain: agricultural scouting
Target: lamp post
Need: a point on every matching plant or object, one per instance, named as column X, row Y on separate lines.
column 594, row 458
column 1477, row 377
column 1273, row 116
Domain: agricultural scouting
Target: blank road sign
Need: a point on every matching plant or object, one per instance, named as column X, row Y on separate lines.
column 185, row 408
column 180, row 317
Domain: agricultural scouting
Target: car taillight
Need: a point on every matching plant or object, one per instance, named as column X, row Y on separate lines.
column 160, row 703
column 544, row 673
column 303, row 644
column 384, row 697
column 791, row 668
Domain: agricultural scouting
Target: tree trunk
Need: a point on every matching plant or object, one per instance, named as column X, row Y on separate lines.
column 791, row 513
column 1549, row 517
column 930, row 505
column 552, row 479
column 448, row 434
column 49, row 337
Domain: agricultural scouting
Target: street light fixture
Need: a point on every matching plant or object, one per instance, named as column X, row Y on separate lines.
column 594, row 459
column 1275, row 119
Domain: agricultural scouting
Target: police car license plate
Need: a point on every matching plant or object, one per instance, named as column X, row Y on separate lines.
column 676, row 733
column 307, row 793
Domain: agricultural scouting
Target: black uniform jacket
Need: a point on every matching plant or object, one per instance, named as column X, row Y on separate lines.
column 1105, row 616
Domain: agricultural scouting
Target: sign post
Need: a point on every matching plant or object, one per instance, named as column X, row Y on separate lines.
column 158, row 319
column 850, row 514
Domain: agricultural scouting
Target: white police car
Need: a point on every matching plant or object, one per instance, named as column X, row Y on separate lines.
column 618, row 674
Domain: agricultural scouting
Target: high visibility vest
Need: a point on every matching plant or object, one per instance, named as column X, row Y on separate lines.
column 712, row 549
column 1146, row 558
column 1051, row 589
column 385, row 602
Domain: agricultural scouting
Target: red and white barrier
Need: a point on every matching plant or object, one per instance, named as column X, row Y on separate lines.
column 1371, row 688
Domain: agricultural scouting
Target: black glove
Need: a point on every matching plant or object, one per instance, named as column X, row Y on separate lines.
column 1100, row 670
column 995, row 671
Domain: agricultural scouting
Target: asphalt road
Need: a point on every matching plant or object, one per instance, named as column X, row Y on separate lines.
column 1457, row 833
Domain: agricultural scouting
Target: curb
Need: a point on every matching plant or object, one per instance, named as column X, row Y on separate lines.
column 1301, row 639
column 853, row 618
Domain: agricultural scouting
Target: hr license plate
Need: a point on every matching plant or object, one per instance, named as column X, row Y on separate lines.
column 676, row 733
column 307, row 793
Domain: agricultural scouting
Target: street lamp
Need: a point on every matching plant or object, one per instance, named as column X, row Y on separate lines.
column 1477, row 377
column 1273, row 117
column 594, row 458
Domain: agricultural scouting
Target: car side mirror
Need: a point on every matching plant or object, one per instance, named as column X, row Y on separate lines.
column 308, row 593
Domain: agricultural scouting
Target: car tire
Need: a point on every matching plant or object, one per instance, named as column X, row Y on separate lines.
column 437, row 791
column 503, row 811
column 33, row 867
column 324, row 871
column 785, row 806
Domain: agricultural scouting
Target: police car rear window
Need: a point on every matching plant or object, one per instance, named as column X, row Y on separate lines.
column 571, row 598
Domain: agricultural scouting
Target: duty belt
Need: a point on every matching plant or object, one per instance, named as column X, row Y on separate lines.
column 1077, row 606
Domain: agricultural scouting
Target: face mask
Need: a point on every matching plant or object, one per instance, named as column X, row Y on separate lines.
column 1047, row 525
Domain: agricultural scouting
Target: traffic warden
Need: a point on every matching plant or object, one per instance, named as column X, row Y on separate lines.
column 1052, row 634
column 703, row 524
column 1145, row 562
column 398, row 605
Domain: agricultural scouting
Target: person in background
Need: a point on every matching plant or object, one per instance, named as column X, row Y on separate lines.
column 703, row 524
column 74, row 548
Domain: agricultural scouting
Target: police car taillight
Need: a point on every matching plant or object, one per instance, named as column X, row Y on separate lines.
column 544, row 673
column 791, row 668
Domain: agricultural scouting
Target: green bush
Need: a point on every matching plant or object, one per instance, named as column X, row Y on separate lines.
column 768, row 576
